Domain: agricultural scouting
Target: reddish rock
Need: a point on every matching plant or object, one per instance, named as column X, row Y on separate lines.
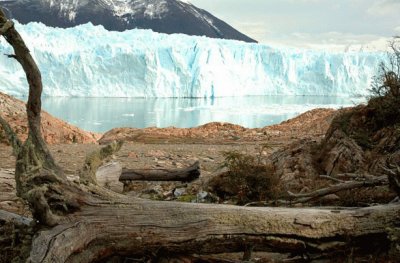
column 54, row 131
column 314, row 122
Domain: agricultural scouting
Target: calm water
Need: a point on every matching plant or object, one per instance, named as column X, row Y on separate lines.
column 103, row 114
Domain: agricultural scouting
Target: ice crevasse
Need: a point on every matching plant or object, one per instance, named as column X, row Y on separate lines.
column 89, row 61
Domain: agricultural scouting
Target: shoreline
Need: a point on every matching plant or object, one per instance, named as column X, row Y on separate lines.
column 55, row 131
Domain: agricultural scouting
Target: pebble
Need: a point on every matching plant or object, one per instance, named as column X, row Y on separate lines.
column 179, row 191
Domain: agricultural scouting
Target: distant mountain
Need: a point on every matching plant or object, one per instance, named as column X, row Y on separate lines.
column 164, row 16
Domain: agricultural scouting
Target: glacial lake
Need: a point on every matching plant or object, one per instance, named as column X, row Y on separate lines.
column 103, row 114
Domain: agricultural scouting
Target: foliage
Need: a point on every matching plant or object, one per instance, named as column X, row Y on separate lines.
column 387, row 82
column 248, row 178
column 383, row 107
column 385, row 99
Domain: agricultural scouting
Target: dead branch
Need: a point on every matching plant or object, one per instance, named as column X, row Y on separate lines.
column 14, row 218
column 393, row 173
column 306, row 197
column 355, row 176
column 331, row 178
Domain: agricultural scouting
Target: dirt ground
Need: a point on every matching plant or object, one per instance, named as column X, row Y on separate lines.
column 175, row 148
column 140, row 155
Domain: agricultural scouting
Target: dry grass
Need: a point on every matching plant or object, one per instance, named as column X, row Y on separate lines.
column 247, row 179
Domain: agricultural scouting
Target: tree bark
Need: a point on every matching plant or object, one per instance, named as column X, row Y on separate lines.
column 15, row 238
column 95, row 159
column 140, row 227
column 349, row 185
column 34, row 78
column 187, row 174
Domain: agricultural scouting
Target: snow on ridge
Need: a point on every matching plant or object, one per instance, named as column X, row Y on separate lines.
column 90, row 61
column 150, row 8
column 204, row 17
column 66, row 8
column 119, row 7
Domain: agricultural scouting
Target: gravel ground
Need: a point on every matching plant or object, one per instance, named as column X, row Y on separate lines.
column 138, row 155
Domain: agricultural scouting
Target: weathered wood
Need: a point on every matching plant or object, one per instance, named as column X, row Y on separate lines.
column 108, row 177
column 393, row 174
column 14, row 237
column 306, row 197
column 140, row 227
column 14, row 218
column 187, row 174
column 9, row 200
column 95, row 159
column 34, row 78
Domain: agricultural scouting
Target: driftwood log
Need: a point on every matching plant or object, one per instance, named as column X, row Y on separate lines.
column 186, row 174
column 82, row 222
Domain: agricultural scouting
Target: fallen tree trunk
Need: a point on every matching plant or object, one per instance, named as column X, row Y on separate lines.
column 187, row 174
column 108, row 224
column 145, row 227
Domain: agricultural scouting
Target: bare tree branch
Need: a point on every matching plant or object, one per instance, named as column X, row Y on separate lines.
column 303, row 198
column 331, row 178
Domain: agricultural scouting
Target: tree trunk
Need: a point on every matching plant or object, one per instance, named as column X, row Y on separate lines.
column 129, row 227
column 34, row 78
column 82, row 222
column 187, row 174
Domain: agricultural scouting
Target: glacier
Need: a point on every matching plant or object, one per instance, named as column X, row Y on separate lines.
column 89, row 61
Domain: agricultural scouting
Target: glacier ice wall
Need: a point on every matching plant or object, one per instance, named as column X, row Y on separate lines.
column 89, row 61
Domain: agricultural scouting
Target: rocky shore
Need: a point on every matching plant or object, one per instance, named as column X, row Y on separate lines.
column 293, row 148
column 152, row 148
column 55, row 131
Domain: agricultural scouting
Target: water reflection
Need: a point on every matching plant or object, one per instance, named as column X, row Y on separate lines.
column 102, row 114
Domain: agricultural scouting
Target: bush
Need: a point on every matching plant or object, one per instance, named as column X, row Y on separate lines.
column 385, row 99
column 247, row 179
column 382, row 109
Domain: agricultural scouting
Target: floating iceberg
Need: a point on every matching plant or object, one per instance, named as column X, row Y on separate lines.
column 89, row 61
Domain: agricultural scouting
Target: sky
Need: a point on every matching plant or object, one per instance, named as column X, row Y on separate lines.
column 331, row 24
